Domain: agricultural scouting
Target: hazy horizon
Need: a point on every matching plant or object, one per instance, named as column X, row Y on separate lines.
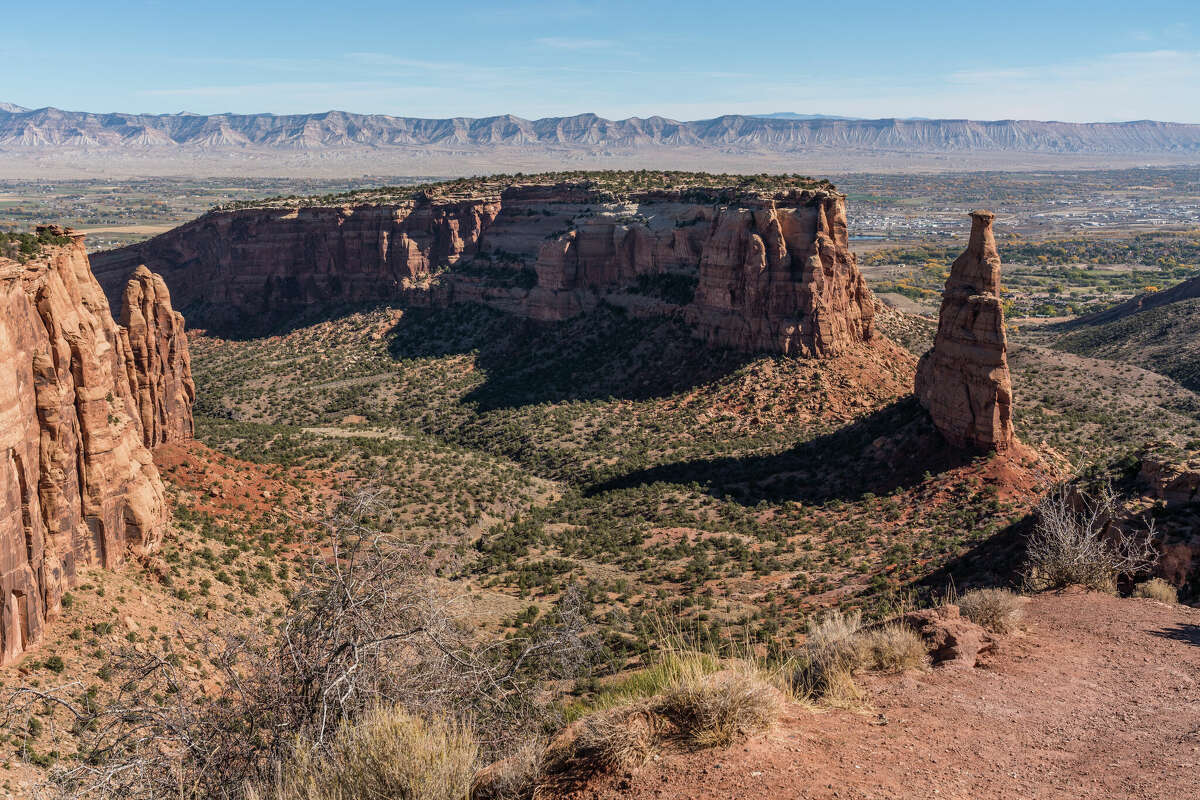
column 869, row 59
column 786, row 116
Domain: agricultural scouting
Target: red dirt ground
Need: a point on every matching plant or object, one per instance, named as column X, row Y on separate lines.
column 1098, row 698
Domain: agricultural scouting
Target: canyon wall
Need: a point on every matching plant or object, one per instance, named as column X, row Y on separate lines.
column 753, row 271
column 964, row 380
column 79, row 485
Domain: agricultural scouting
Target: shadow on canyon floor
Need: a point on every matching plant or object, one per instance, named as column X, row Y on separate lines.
column 604, row 354
column 893, row 448
column 994, row 561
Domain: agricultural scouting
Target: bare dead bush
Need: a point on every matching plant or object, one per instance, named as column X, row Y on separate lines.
column 371, row 626
column 1077, row 543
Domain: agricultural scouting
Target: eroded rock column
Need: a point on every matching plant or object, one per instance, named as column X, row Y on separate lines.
column 964, row 380
column 161, row 368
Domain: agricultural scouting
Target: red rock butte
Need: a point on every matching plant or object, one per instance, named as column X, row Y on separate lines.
column 964, row 380
column 770, row 270
column 79, row 485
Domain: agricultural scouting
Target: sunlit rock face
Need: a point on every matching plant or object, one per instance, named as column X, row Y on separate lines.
column 161, row 367
column 766, row 271
column 78, row 485
column 963, row 380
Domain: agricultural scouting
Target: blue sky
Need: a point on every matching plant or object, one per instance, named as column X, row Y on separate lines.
column 1086, row 60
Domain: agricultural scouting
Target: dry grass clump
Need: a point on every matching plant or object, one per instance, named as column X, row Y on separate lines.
column 616, row 738
column 387, row 753
column 838, row 646
column 997, row 610
column 714, row 710
column 690, row 696
column 832, row 652
column 1157, row 589
column 513, row 778
column 895, row 648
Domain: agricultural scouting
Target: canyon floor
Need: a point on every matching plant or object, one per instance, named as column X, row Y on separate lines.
column 1097, row 697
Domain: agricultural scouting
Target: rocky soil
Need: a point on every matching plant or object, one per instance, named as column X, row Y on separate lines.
column 1098, row 697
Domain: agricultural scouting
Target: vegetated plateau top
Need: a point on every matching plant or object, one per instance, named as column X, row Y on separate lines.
column 613, row 184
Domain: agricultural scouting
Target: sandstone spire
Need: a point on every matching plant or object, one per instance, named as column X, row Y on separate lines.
column 964, row 381
column 160, row 368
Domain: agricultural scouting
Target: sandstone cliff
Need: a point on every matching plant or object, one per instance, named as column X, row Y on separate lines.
column 160, row 370
column 79, row 486
column 963, row 380
column 762, row 271
column 780, row 277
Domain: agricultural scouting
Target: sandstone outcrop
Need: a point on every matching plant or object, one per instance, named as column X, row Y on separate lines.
column 160, row 366
column 1174, row 482
column 964, row 380
column 228, row 266
column 780, row 277
column 764, row 270
column 953, row 640
column 79, row 486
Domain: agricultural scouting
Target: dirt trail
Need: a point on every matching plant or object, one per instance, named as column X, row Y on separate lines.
column 359, row 433
column 1099, row 698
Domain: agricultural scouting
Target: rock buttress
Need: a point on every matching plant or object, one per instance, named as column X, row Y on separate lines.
column 78, row 485
column 963, row 380
column 161, row 374
column 779, row 276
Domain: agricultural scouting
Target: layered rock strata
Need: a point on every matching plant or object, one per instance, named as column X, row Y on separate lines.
column 765, row 271
column 964, row 380
column 160, row 373
column 79, row 486
column 1174, row 482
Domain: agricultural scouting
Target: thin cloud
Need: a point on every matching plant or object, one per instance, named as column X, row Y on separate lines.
column 1159, row 84
column 565, row 43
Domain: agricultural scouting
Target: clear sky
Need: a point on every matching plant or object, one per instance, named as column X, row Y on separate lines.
column 1085, row 60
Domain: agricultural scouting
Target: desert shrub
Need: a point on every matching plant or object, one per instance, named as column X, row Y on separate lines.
column 387, row 753
column 716, row 709
column 832, row 653
column 1076, row 544
column 1157, row 589
column 838, row 646
column 372, row 626
column 997, row 610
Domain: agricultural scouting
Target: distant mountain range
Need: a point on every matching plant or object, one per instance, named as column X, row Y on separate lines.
column 47, row 129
